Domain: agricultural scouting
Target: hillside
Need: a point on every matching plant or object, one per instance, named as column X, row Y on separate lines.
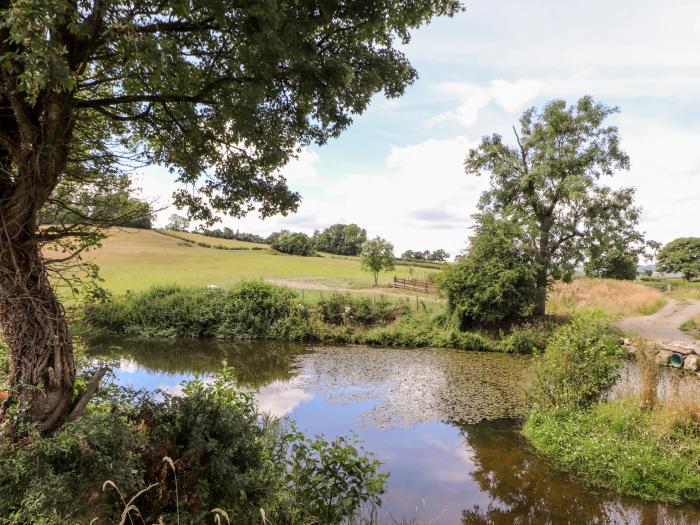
column 215, row 241
column 132, row 259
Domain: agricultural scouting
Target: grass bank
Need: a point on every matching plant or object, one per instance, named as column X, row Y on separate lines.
column 634, row 443
column 692, row 326
column 258, row 310
column 649, row 454
column 679, row 288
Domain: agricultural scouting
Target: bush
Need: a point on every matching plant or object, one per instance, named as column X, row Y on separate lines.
column 530, row 337
column 53, row 480
column 580, row 364
column 294, row 244
column 495, row 281
column 344, row 308
column 249, row 310
column 223, row 455
column 256, row 310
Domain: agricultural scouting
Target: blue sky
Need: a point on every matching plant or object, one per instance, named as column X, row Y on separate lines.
column 397, row 170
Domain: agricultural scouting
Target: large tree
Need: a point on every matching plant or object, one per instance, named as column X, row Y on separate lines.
column 223, row 93
column 549, row 183
column 682, row 256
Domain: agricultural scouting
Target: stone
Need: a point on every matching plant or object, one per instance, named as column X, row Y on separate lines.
column 681, row 347
column 692, row 363
column 662, row 357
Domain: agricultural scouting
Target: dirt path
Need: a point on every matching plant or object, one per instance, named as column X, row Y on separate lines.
column 307, row 285
column 663, row 325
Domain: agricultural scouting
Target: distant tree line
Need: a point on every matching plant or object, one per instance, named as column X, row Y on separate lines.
column 426, row 255
column 340, row 239
column 293, row 243
column 228, row 233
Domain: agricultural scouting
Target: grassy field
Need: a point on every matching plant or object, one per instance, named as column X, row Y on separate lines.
column 132, row 259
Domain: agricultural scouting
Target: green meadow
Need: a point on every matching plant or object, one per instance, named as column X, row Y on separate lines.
column 132, row 259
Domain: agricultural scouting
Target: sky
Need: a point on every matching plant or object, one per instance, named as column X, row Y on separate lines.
column 397, row 171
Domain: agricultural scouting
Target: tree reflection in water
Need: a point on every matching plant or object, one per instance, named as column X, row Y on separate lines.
column 525, row 490
column 257, row 363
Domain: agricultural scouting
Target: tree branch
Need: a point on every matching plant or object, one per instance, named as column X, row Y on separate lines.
column 89, row 393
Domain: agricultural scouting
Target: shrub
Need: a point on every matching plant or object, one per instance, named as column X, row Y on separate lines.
column 530, row 337
column 580, row 363
column 344, row 308
column 495, row 281
column 53, row 480
column 294, row 243
column 257, row 310
column 249, row 310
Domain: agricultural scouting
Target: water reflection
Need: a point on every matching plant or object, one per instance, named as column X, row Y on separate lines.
column 441, row 422
column 524, row 489
column 255, row 364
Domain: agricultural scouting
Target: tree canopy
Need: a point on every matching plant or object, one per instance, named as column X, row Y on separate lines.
column 680, row 256
column 549, row 183
column 341, row 239
column 377, row 255
column 495, row 280
column 296, row 243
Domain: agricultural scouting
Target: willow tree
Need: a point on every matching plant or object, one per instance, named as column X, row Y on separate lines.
column 548, row 182
column 221, row 92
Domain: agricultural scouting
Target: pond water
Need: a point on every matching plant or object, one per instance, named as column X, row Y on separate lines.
column 444, row 424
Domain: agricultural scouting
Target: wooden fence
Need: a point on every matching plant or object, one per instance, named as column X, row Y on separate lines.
column 414, row 284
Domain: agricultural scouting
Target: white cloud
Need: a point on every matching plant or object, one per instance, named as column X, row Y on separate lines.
column 304, row 167
column 421, row 199
column 472, row 98
column 279, row 398
column 665, row 170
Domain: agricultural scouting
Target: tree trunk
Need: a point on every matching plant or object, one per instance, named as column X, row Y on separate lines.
column 541, row 291
column 42, row 373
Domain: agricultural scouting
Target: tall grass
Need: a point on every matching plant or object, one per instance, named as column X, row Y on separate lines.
column 649, row 372
column 618, row 298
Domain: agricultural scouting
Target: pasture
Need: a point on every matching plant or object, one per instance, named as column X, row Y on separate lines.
column 132, row 259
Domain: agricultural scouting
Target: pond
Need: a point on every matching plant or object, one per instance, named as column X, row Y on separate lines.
column 444, row 423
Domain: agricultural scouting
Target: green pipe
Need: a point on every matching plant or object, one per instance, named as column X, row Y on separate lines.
column 676, row 360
